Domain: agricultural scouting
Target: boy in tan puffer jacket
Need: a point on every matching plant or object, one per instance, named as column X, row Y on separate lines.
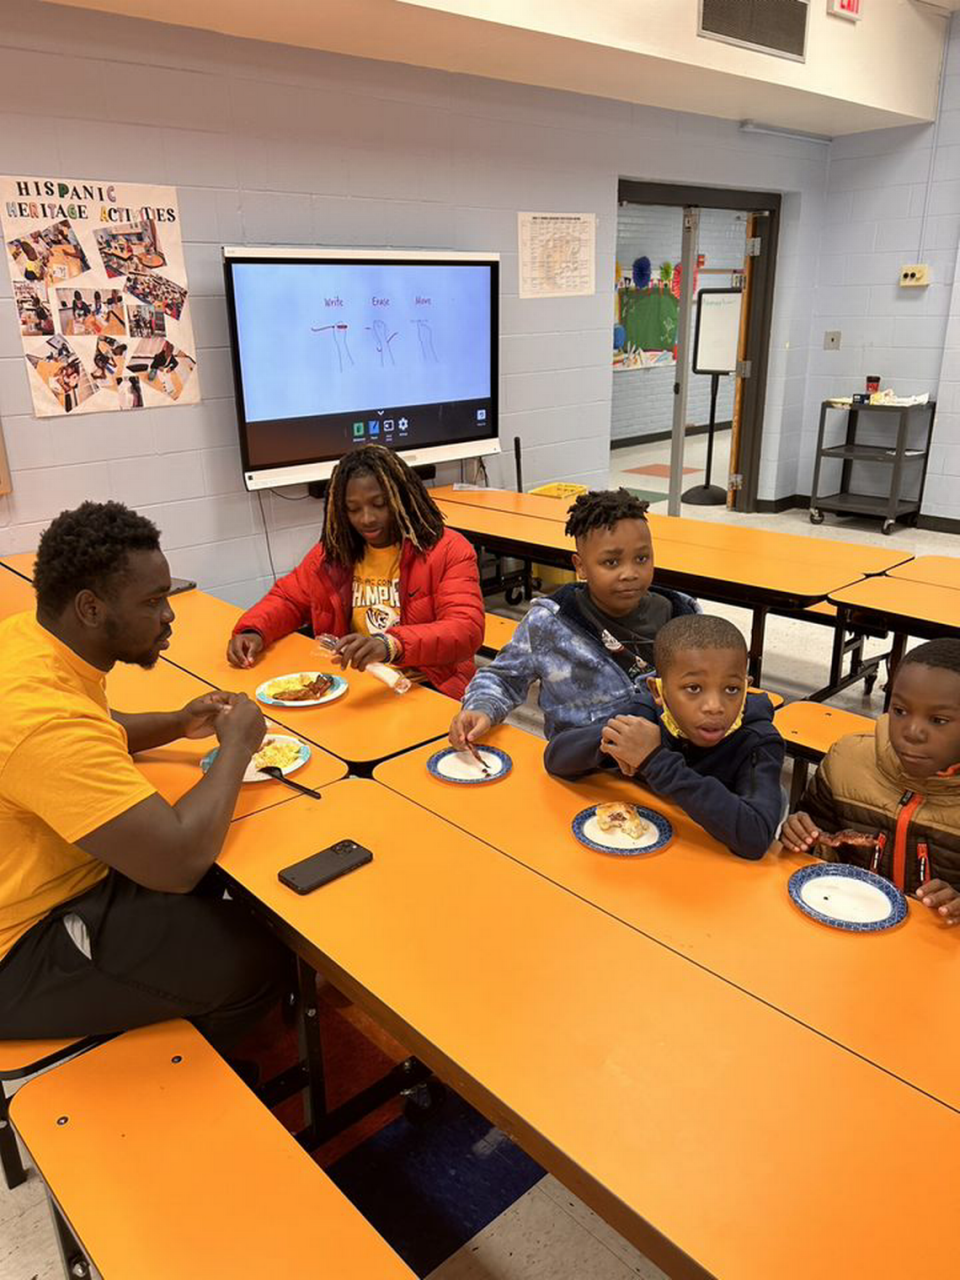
column 901, row 785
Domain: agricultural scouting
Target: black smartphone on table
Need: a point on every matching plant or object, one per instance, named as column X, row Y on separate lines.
column 329, row 864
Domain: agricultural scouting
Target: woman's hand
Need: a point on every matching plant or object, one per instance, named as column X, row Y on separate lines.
column 356, row 651
column 244, row 648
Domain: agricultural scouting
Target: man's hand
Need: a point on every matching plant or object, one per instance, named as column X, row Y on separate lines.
column 240, row 723
column 799, row 833
column 199, row 717
column 469, row 726
column 630, row 740
column 244, row 648
column 941, row 898
column 356, row 651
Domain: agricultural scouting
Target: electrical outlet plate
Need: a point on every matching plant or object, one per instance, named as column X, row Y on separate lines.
column 915, row 275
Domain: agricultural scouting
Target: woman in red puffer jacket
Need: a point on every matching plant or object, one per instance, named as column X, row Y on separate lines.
column 386, row 577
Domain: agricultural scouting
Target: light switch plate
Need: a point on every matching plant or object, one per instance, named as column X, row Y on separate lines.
column 831, row 340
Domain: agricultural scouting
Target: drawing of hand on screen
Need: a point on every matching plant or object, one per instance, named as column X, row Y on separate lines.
column 425, row 334
column 382, row 339
column 339, row 333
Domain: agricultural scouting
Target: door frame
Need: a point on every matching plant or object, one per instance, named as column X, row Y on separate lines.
column 632, row 191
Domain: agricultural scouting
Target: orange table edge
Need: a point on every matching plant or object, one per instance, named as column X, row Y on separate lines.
column 672, row 1102
column 730, row 915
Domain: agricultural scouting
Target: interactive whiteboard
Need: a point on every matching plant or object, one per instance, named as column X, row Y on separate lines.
column 717, row 336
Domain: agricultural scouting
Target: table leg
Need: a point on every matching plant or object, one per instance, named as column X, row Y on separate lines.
column 760, row 612
column 896, row 653
column 311, row 1051
column 13, row 1170
column 839, row 645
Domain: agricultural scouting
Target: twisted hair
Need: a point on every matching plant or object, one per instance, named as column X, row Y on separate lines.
column 943, row 653
column 416, row 517
column 602, row 509
column 87, row 549
column 695, row 631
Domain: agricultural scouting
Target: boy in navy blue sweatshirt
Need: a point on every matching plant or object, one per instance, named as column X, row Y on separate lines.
column 694, row 736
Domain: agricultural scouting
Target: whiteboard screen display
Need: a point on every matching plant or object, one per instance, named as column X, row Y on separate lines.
column 717, row 335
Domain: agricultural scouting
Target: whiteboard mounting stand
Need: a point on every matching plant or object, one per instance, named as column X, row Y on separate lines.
column 715, row 345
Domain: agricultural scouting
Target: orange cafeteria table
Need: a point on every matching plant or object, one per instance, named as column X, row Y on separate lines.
column 693, row 1117
column 175, row 768
column 938, row 571
column 732, row 916
column 924, row 609
column 368, row 723
column 759, row 582
column 734, row 538
column 21, row 562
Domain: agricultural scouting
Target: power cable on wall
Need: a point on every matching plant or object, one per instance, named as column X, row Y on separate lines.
column 266, row 534
column 933, row 157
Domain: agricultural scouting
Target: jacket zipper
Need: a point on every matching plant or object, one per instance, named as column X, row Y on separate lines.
column 910, row 802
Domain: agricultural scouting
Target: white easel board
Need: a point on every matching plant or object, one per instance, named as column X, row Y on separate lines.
column 717, row 337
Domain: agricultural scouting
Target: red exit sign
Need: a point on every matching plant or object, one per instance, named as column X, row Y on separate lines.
column 849, row 9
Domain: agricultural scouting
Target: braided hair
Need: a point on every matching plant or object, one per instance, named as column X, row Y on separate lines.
column 602, row 509
column 416, row 517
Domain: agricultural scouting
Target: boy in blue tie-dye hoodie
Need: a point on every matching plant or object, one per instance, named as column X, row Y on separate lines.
column 590, row 643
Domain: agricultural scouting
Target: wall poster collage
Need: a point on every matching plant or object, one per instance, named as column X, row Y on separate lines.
column 100, row 288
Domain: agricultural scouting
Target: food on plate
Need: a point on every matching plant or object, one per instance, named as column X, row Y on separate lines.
column 302, row 688
column 859, row 838
column 277, row 753
column 619, row 816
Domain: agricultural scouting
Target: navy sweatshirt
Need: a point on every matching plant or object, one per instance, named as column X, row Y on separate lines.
column 732, row 790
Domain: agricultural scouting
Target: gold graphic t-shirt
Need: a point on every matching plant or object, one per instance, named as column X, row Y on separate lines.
column 376, row 591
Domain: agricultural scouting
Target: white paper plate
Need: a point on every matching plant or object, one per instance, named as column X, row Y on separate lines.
column 461, row 766
column 847, row 897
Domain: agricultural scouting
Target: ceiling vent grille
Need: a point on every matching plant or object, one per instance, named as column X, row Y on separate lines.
column 769, row 26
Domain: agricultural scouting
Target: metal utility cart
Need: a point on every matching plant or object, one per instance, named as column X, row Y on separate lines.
column 906, row 454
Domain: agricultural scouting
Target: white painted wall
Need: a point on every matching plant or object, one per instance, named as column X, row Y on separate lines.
column 893, row 198
column 274, row 145
column 884, row 61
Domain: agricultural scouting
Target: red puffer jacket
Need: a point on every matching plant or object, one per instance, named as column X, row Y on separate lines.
column 441, row 608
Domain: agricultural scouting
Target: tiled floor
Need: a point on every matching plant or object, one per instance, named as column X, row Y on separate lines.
column 547, row 1234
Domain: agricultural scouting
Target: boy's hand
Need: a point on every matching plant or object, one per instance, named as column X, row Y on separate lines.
column 630, row 740
column 469, row 726
column 799, row 833
column 941, row 898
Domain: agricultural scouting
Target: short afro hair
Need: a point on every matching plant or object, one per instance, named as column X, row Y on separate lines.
column 695, row 631
column 602, row 509
column 943, row 653
column 87, row 549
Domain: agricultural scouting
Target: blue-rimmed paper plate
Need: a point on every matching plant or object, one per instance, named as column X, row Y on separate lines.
column 658, row 834
column 252, row 773
column 451, row 765
column 847, row 897
column 336, row 690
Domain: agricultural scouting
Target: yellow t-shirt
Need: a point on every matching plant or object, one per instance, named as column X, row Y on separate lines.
column 376, row 591
column 65, row 770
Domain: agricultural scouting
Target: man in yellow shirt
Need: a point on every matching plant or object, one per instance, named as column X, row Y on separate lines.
column 106, row 919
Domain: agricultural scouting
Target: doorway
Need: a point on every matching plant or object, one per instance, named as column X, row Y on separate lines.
column 729, row 238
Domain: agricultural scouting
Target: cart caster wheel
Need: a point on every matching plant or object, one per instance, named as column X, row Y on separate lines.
column 513, row 595
column 816, row 517
column 424, row 1102
column 888, row 526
